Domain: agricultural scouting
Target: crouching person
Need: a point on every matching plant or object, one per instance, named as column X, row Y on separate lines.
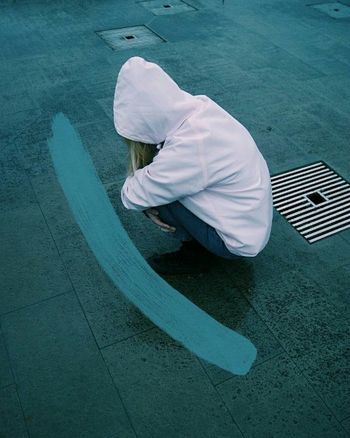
column 193, row 169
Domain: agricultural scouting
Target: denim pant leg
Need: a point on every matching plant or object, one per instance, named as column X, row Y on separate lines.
column 189, row 226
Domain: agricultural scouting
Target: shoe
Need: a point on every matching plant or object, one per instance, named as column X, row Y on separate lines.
column 190, row 258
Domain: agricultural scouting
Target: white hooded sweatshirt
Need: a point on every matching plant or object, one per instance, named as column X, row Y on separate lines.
column 209, row 162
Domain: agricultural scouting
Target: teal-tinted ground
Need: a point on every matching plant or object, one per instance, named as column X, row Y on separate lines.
column 76, row 358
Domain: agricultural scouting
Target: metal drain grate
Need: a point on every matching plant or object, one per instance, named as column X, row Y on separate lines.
column 161, row 7
column 334, row 10
column 129, row 37
column 314, row 199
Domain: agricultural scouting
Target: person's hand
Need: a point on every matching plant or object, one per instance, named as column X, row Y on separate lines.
column 153, row 214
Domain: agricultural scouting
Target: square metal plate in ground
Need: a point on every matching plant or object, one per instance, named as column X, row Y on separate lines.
column 334, row 10
column 314, row 199
column 162, row 7
column 130, row 37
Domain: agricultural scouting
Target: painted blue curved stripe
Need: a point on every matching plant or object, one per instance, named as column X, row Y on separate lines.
column 121, row 260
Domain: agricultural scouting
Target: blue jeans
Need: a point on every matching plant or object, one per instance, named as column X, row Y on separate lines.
column 189, row 226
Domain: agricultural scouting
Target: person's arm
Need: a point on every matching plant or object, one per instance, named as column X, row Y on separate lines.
column 175, row 172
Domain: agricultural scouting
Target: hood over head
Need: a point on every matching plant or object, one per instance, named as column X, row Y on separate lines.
column 148, row 105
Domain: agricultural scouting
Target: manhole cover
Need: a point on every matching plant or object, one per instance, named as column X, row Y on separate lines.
column 335, row 9
column 314, row 199
column 129, row 37
column 160, row 7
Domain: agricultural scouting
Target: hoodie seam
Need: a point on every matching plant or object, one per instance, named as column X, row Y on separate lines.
column 204, row 170
column 200, row 150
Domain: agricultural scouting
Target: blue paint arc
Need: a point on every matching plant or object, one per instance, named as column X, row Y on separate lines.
column 123, row 263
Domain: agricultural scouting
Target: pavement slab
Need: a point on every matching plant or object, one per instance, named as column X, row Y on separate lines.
column 79, row 360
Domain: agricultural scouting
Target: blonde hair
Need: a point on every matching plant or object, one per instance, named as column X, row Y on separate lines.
column 140, row 155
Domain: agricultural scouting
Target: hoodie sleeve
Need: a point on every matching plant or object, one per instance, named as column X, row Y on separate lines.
column 175, row 172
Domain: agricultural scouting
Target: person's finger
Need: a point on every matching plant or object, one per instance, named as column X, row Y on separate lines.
column 153, row 211
column 164, row 225
column 154, row 218
column 168, row 230
column 153, row 214
column 157, row 221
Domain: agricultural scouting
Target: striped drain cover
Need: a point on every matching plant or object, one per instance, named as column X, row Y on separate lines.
column 314, row 199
